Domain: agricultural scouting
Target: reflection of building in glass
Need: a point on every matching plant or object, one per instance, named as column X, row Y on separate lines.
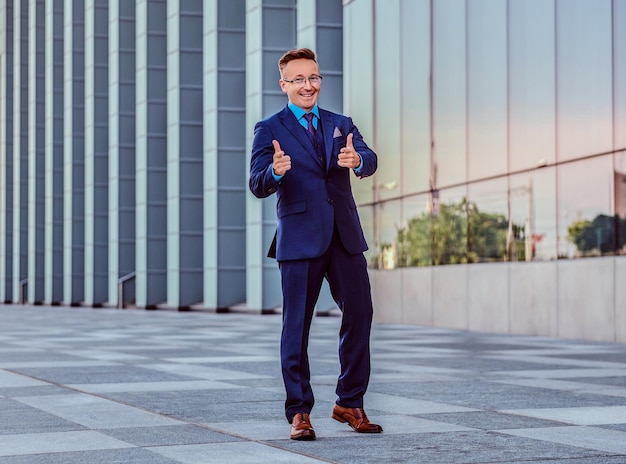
column 620, row 210
column 527, row 235
column 620, row 194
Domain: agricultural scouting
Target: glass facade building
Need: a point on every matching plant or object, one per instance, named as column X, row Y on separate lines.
column 499, row 203
column 500, row 200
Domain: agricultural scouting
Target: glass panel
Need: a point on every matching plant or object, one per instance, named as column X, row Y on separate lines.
column 387, row 220
column 584, row 78
column 449, row 226
column 532, row 122
column 328, row 11
column 358, row 72
column 278, row 25
column 388, row 98
column 487, row 88
column 449, row 93
column 415, row 90
column 414, row 242
column 619, row 80
column 586, row 224
column 620, row 201
column 487, row 221
column 532, row 204
column 366, row 214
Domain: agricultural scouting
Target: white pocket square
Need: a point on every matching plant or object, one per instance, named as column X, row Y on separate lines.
column 337, row 133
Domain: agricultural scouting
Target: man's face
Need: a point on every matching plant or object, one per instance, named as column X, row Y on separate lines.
column 303, row 95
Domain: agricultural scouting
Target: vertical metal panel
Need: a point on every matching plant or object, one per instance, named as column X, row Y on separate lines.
column 151, row 153
column 224, row 154
column 54, row 174
column 36, row 217
column 264, row 46
column 96, row 152
column 122, row 34
column 6, row 150
column 20, row 148
column 184, row 156
column 74, row 154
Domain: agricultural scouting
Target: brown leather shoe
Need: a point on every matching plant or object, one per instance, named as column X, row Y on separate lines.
column 301, row 428
column 356, row 418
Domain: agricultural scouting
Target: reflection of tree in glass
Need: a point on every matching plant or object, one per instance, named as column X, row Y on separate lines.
column 458, row 233
column 488, row 231
column 604, row 235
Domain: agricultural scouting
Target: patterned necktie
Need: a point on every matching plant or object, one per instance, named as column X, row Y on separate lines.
column 309, row 123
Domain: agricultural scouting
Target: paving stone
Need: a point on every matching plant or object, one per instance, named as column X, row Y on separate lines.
column 100, row 374
column 43, row 390
column 124, row 456
column 614, row 381
column 57, row 442
column 490, row 420
column 463, row 447
column 479, row 393
column 207, row 405
column 83, row 385
column 169, row 435
column 17, row 418
column 95, row 412
column 596, row 438
column 233, row 453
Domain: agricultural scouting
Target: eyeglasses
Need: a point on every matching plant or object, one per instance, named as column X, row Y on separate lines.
column 313, row 80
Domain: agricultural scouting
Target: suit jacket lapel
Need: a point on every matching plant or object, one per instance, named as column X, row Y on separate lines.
column 292, row 124
column 328, row 129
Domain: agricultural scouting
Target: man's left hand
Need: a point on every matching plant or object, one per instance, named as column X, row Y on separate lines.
column 348, row 157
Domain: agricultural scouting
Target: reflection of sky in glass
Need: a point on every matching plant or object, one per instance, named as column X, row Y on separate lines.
column 449, row 91
column 489, row 196
column 390, row 221
column 452, row 195
column 619, row 41
column 388, row 99
column 584, row 77
column 486, row 88
column 531, row 96
column 414, row 206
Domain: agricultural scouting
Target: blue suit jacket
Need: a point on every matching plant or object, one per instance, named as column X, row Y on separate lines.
column 314, row 194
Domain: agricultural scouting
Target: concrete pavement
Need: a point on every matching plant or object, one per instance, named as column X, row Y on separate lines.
column 82, row 386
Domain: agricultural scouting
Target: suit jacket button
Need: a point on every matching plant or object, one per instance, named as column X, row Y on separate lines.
column 330, row 200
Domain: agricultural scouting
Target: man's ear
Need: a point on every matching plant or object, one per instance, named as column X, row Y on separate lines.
column 283, row 85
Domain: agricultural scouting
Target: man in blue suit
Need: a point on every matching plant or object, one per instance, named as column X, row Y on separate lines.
column 305, row 155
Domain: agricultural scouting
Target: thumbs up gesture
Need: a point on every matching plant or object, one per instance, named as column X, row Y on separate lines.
column 282, row 162
column 348, row 157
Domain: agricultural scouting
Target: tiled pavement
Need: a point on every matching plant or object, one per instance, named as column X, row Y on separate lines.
column 82, row 386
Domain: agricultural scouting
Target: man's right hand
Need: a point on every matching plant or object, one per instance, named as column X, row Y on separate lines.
column 282, row 162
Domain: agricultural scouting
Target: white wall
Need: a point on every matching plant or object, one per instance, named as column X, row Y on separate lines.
column 575, row 299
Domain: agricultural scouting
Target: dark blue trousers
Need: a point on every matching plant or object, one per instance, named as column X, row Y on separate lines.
column 350, row 287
